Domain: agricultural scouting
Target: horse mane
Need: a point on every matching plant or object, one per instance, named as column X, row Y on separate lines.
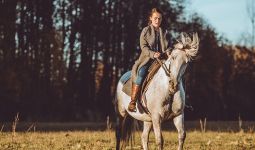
column 188, row 45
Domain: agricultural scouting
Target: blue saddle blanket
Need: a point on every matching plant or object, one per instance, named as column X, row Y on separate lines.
column 125, row 77
column 126, row 83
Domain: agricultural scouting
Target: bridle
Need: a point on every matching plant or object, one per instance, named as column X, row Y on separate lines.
column 168, row 73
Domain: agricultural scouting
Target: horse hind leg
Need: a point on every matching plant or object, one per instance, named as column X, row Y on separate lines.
column 179, row 124
column 145, row 134
column 121, row 114
column 126, row 124
column 118, row 130
column 119, row 122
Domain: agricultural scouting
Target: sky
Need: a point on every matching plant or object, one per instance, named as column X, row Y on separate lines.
column 228, row 17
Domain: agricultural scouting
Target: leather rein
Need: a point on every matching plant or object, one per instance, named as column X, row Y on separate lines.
column 168, row 72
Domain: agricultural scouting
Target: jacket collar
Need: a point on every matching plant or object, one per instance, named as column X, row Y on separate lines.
column 150, row 37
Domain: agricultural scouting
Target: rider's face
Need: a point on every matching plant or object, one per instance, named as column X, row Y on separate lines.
column 156, row 19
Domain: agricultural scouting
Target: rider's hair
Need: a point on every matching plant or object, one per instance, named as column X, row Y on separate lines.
column 158, row 10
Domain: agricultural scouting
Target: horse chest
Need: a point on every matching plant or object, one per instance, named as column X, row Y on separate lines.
column 172, row 107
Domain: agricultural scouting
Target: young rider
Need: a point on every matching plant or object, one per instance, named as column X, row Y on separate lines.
column 154, row 40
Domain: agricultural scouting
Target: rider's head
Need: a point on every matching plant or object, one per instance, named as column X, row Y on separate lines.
column 156, row 18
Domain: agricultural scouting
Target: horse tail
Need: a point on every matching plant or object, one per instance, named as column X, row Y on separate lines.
column 129, row 126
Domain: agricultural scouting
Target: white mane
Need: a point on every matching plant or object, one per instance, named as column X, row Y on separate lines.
column 187, row 45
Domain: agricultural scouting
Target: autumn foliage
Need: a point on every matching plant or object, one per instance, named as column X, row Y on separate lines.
column 60, row 60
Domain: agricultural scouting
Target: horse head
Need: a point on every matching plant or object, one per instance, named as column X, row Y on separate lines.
column 180, row 57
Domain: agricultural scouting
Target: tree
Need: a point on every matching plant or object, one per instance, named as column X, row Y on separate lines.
column 247, row 38
column 251, row 14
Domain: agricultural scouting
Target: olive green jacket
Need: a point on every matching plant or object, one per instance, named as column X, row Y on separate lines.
column 147, row 45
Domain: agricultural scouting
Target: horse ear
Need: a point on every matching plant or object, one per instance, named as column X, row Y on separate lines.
column 195, row 41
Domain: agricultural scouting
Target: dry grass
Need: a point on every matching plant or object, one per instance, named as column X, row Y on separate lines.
column 225, row 137
column 105, row 140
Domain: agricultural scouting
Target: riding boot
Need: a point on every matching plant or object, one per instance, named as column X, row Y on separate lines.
column 135, row 91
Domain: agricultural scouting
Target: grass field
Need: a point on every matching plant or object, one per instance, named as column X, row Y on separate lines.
column 219, row 135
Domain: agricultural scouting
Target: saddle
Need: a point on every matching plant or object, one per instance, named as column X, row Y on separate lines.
column 141, row 100
column 153, row 69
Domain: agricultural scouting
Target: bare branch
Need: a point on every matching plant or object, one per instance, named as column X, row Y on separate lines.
column 250, row 6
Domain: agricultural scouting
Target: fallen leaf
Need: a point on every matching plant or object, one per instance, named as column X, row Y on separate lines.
column 209, row 142
column 235, row 143
column 245, row 142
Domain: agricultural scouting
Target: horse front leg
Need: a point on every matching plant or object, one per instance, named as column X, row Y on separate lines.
column 145, row 135
column 157, row 129
column 179, row 124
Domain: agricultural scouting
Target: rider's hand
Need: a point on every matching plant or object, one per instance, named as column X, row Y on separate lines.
column 168, row 54
column 156, row 55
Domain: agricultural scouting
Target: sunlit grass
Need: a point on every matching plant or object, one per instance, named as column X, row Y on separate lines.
column 95, row 140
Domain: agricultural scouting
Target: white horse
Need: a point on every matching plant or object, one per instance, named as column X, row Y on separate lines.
column 165, row 98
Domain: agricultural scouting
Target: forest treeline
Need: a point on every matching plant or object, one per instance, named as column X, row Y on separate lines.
column 60, row 60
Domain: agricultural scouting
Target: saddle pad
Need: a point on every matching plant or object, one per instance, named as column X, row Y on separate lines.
column 141, row 104
column 125, row 77
column 128, row 90
column 127, row 83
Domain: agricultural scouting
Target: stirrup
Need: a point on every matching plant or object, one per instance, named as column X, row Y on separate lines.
column 131, row 106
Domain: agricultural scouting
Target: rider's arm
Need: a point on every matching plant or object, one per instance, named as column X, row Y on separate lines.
column 145, row 46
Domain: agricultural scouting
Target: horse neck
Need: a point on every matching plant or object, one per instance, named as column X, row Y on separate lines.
column 176, row 70
column 160, row 82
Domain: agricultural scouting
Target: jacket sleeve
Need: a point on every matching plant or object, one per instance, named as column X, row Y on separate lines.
column 145, row 46
column 169, row 45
